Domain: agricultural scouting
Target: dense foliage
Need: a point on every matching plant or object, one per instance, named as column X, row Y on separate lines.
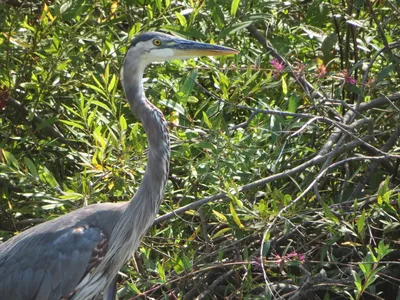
column 287, row 154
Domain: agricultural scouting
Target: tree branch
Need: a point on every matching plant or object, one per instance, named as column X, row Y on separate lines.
column 258, row 183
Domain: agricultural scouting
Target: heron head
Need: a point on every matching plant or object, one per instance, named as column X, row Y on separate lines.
column 154, row 46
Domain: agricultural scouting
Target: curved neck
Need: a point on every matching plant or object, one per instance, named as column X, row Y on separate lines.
column 139, row 213
column 152, row 187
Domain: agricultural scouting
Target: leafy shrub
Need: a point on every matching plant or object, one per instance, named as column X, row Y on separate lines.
column 284, row 172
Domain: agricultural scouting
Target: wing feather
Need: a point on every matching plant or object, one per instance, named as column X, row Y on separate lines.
column 27, row 282
column 45, row 288
column 51, row 266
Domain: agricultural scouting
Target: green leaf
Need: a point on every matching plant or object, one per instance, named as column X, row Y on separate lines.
column 65, row 6
column 70, row 9
column 267, row 245
column 103, row 105
column 328, row 44
column 384, row 192
column 383, row 249
column 235, row 215
column 95, row 88
column 357, row 280
column 234, row 7
column 384, row 187
column 122, row 123
column 188, row 85
column 186, row 262
column 371, row 279
column 294, row 103
column 161, row 273
column 174, row 106
column 182, row 19
column 69, row 195
column 221, row 232
column 52, row 206
column 10, row 159
column 47, row 177
column 31, row 167
column 207, row 121
column 98, row 137
column 361, row 224
column 318, row 14
column 112, row 83
column 284, row 85
column 73, row 124
column 220, row 216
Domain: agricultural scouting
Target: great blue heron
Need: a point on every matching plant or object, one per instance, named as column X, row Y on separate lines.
column 78, row 255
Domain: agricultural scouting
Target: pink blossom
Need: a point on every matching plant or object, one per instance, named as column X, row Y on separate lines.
column 292, row 254
column 277, row 67
column 348, row 79
column 321, row 71
column 289, row 257
column 278, row 259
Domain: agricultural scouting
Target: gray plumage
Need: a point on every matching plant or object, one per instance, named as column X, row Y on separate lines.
column 78, row 255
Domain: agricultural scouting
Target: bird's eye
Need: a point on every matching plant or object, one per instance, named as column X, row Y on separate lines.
column 157, row 42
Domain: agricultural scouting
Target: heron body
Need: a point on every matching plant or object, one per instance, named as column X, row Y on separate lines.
column 78, row 255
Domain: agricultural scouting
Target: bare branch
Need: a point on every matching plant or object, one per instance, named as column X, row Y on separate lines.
column 304, row 84
column 258, row 183
column 372, row 169
column 365, row 77
column 335, row 135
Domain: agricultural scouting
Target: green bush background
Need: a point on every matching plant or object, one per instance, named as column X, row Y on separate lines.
column 318, row 214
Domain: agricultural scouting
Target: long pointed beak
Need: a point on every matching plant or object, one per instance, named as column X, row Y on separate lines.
column 186, row 48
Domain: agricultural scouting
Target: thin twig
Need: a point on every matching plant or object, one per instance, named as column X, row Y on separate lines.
column 261, row 182
column 304, row 84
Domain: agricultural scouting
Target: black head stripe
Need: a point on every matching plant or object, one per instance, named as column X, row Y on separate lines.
column 144, row 37
column 147, row 36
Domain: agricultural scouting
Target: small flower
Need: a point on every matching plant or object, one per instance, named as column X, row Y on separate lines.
column 289, row 257
column 278, row 259
column 292, row 254
column 321, row 71
column 277, row 67
column 348, row 79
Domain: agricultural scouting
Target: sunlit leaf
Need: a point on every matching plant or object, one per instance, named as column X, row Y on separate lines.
column 234, row 7
column 235, row 216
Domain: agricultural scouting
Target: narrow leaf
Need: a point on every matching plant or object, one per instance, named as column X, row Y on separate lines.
column 31, row 167
column 284, row 85
column 10, row 159
column 122, row 123
column 234, row 7
column 220, row 216
column 235, row 216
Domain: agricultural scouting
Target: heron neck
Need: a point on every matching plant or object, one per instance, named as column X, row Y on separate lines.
column 152, row 187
